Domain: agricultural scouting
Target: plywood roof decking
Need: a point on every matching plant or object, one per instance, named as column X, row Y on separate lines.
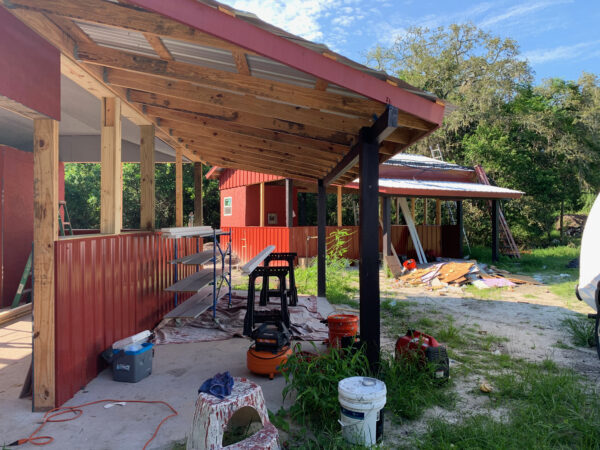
column 254, row 112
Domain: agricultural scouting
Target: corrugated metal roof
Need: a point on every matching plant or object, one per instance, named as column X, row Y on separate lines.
column 449, row 188
column 118, row 38
column 209, row 57
column 423, row 162
column 262, row 67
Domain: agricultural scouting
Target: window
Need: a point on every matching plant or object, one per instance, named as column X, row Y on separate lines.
column 227, row 206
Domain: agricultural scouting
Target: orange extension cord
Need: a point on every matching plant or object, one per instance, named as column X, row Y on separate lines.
column 51, row 416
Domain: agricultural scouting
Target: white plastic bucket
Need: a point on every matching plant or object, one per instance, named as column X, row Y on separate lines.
column 361, row 400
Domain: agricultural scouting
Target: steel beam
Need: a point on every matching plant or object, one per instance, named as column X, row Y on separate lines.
column 495, row 240
column 321, row 249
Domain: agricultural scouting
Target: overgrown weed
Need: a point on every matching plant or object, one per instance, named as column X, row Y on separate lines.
column 581, row 330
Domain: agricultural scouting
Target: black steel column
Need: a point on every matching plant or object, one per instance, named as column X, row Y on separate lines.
column 302, row 209
column 369, row 247
column 321, row 256
column 387, row 228
column 289, row 202
column 459, row 222
column 495, row 252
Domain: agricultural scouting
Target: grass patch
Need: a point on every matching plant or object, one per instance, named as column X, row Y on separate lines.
column 551, row 259
column 581, row 330
column 548, row 408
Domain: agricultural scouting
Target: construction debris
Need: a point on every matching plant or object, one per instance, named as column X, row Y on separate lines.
column 455, row 274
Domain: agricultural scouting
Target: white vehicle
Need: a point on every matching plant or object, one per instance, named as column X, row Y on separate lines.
column 588, row 288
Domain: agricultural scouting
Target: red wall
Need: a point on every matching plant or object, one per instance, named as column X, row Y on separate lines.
column 238, row 207
column 108, row 288
column 231, row 178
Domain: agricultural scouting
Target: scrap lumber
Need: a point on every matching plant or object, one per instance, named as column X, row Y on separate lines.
column 10, row 314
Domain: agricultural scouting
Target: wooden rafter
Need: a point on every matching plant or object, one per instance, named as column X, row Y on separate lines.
column 159, row 47
column 241, row 62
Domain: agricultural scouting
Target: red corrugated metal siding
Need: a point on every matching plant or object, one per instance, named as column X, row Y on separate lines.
column 231, row 178
column 247, row 242
column 108, row 288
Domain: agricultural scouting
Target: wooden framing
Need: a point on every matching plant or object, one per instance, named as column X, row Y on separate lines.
column 45, row 232
column 147, row 174
column 198, row 200
column 111, row 174
column 178, row 188
column 262, row 205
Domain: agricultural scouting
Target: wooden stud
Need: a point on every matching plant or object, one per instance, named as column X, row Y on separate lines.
column 241, row 63
column 147, row 173
column 438, row 212
column 178, row 188
column 262, row 205
column 198, row 200
column 111, row 175
column 45, row 232
column 339, row 206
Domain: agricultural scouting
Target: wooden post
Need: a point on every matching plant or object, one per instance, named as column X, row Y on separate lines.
column 425, row 211
column 262, row 205
column 178, row 187
column 339, row 206
column 45, row 232
column 495, row 240
column 321, row 248
column 386, row 220
column 459, row 223
column 289, row 202
column 111, row 175
column 198, row 201
column 438, row 212
column 413, row 207
column 369, row 248
column 147, row 195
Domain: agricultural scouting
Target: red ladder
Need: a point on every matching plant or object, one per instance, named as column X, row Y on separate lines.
column 509, row 246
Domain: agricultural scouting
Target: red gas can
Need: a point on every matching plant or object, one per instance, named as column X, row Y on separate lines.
column 427, row 349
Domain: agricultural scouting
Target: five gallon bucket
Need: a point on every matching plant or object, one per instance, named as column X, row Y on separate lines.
column 361, row 401
column 342, row 329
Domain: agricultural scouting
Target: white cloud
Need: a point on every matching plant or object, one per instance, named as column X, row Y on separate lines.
column 583, row 50
column 520, row 10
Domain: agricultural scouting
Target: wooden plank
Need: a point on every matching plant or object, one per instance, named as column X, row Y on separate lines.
column 195, row 281
column 241, row 63
column 247, row 268
column 407, row 213
column 177, row 232
column 159, row 47
column 147, row 174
column 339, row 206
column 111, row 182
column 393, row 263
column 262, row 205
column 193, row 306
column 198, row 200
column 10, row 314
column 199, row 259
column 178, row 188
column 45, row 233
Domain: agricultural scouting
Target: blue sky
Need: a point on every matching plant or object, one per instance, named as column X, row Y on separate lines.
column 559, row 38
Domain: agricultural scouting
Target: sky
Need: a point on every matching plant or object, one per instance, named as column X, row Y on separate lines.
column 559, row 38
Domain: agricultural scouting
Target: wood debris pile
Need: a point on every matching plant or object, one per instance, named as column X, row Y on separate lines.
column 453, row 273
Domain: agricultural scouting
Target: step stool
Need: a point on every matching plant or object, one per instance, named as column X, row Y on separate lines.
column 290, row 291
column 212, row 415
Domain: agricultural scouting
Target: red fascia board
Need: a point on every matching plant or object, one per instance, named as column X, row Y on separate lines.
column 441, row 193
column 243, row 34
column 213, row 173
column 30, row 73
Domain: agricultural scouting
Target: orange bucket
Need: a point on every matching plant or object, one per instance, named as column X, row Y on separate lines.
column 343, row 328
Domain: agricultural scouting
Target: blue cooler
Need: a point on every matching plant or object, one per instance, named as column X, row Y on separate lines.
column 133, row 366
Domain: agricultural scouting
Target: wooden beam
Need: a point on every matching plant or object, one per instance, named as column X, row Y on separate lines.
column 178, row 188
column 45, row 233
column 230, row 100
column 147, row 173
column 339, row 206
column 321, row 84
column 198, row 200
column 111, row 175
column 262, row 205
column 159, row 47
column 274, row 90
column 438, row 212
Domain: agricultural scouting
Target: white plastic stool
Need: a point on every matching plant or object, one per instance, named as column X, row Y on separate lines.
column 212, row 415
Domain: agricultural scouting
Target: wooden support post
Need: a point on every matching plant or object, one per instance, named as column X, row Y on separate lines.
column 147, row 193
column 397, row 211
column 369, row 248
column 339, row 206
column 262, row 205
column 495, row 237
column 198, row 201
column 413, row 207
column 425, row 212
column 289, row 202
column 111, row 175
column 45, row 232
column 321, row 248
column 386, row 220
column 438, row 212
column 178, row 187
column 459, row 223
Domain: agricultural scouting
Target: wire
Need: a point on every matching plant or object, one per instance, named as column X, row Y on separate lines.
column 54, row 416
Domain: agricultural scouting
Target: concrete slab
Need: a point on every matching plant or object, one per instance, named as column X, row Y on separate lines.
column 178, row 372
